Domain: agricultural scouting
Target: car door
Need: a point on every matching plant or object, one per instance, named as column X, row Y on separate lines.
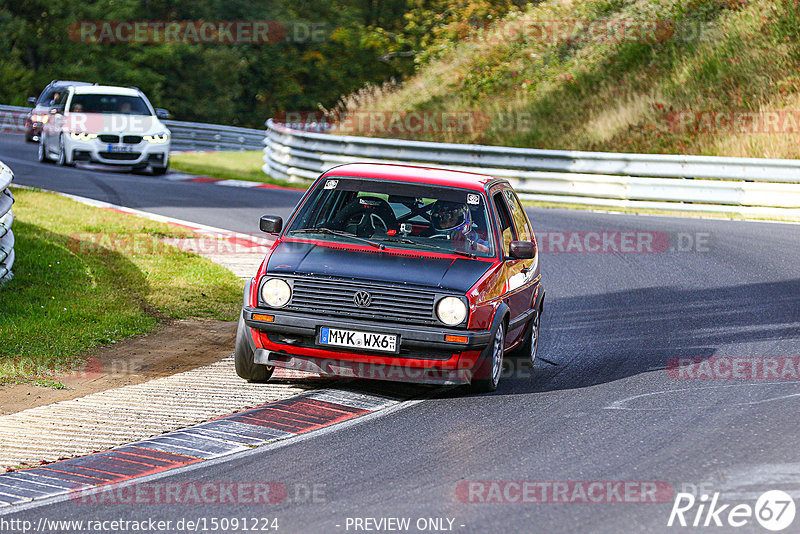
column 520, row 273
column 55, row 122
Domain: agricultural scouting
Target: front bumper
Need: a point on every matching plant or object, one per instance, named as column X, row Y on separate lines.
column 423, row 354
column 138, row 154
column 33, row 129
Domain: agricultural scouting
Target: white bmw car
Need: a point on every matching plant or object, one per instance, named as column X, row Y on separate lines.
column 105, row 124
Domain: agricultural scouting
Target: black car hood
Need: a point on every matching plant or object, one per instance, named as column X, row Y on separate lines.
column 309, row 259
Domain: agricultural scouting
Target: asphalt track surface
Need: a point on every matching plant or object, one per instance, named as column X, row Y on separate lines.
column 604, row 409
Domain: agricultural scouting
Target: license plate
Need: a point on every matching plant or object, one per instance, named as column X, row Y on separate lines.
column 115, row 148
column 357, row 340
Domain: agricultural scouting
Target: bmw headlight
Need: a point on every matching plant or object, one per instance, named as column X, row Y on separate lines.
column 157, row 138
column 451, row 311
column 276, row 292
column 82, row 136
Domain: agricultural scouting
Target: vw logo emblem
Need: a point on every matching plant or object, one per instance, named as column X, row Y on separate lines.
column 362, row 299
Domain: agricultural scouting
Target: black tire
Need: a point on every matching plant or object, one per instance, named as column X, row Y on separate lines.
column 43, row 157
column 490, row 369
column 158, row 171
column 243, row 357
column 61, row 161
column 530, row 345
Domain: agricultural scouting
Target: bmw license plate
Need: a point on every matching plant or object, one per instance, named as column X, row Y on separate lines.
column 358, row 340
column 117, row 148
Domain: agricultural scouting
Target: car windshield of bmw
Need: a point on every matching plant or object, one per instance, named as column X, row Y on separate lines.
column 396, row 214
column 118, row 104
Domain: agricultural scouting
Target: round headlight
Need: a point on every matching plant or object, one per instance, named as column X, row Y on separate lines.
column 451, row 311
column 276, row 292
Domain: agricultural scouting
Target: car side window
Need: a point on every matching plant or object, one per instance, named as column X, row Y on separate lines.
column 506, row 228
column 58, row 101
column 46, row 98
column 521, row 222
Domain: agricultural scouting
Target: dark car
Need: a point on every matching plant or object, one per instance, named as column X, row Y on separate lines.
column 40, row 113
column 396, row 273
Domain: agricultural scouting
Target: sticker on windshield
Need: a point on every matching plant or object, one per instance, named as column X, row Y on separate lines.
column 331, row 184
column 473, row 199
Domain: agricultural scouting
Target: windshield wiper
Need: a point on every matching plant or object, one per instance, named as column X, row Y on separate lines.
column 429, row 246
column 340, row 233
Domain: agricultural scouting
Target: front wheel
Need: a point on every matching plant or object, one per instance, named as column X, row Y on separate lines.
column 530, row 344
column 158, row 171
column 62, row 154
column 491, row 367
column 43, row 157
column 244, row 353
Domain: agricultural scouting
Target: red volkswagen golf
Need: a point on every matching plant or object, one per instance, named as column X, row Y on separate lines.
column 396, row 273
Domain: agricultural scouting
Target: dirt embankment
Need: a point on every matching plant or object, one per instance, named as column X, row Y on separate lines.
column 169, row 349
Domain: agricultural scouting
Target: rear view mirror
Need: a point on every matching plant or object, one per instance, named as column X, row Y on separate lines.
column 162, row 113
column 32, row 100
column 522, row 250
column 271, row 224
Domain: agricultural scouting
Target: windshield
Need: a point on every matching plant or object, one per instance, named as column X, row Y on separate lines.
column 47, row 95
column 401, row 215
column 118, row 104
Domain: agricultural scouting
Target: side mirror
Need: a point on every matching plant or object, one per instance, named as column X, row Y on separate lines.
column 522, row 250
column 162, row 113
column 32, row 100
column 53, row 111
column 271, row 224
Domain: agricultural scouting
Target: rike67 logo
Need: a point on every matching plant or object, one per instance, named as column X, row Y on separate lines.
column 774, row 510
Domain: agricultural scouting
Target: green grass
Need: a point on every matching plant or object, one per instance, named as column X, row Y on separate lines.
column 617, row 95
column 86, row 276
column 241, row 165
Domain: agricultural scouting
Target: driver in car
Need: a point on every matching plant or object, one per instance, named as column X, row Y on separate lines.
column 455, row 220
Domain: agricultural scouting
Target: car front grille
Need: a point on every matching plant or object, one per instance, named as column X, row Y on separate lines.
column 132, row 139
column 388, row 302
column 120, row 156
column 106, row 138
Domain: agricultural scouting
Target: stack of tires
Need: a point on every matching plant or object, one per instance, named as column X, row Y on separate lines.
column 6, row 218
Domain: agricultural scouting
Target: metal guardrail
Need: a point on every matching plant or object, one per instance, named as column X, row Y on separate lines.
column 6, row 219
column 12, row 118
column 216, row 137
column 737, row 186
column 185, row 135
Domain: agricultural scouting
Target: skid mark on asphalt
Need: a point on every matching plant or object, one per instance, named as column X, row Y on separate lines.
column 748, row 482
column 673, row 398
